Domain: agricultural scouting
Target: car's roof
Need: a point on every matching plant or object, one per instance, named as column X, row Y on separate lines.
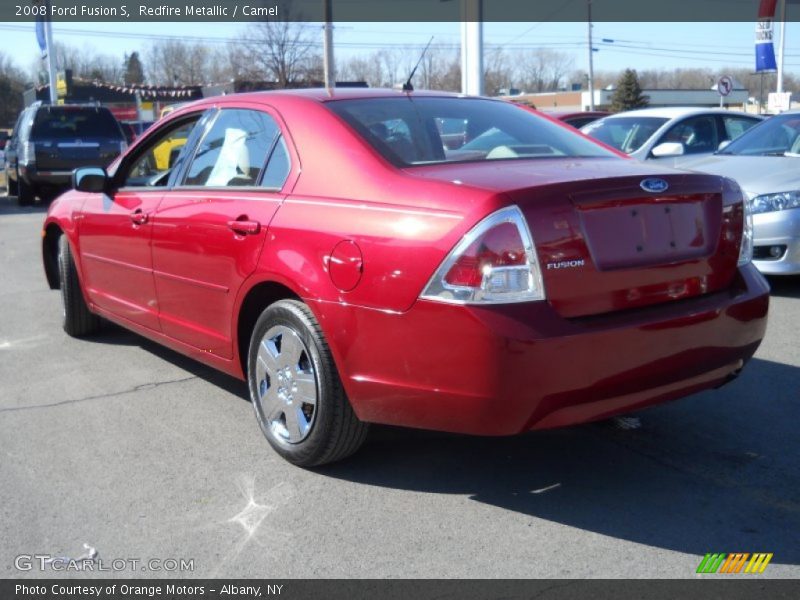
column 326, row 95
column 672, row 112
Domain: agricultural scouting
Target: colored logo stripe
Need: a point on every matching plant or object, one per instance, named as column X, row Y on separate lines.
column 734, row 562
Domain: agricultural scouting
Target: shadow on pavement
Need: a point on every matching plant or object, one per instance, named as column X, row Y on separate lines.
column 716, row 472
column 9, row 206
column 114, row 335
column 787, row 286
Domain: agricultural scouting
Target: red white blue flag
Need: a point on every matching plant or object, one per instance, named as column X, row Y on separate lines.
column 765, row 51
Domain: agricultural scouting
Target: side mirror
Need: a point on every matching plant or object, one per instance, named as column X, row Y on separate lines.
column 723, row 144
column 668, row 149
column 89, row 179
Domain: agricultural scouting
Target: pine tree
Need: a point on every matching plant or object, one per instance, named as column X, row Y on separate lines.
column 133, row 69
column 628, row 93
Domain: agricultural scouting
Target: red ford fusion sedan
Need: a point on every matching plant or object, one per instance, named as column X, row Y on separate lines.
column 328, row 248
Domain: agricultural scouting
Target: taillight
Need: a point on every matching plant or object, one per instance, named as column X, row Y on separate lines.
column 28, row 154
column 746, row 247
column 494, row 263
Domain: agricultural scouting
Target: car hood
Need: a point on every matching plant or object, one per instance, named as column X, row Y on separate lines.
column 755, row 174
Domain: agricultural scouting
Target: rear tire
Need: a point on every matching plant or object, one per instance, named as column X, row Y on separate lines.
column 78, row 320
column 296, row 391
column 11, row 186
column 25, row 193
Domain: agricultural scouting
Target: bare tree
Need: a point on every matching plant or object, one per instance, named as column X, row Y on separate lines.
column 85, row 63
column 12, row 82
column 543, row 70
column 498, row 73
column 282, row 51
column 173, row 62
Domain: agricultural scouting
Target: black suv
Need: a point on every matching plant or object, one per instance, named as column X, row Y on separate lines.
column 48, row 142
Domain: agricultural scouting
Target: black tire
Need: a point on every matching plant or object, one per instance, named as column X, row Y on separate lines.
column 25, row 193
column 78, row 320
column 11, row 186
column 333, row 432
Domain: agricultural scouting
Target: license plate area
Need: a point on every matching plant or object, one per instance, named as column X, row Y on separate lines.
column 635, row 234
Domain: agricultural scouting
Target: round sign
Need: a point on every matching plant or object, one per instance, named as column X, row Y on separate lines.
column 724, row 85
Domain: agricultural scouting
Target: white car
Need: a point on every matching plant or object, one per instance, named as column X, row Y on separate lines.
column 766, row 163
column 671, row 135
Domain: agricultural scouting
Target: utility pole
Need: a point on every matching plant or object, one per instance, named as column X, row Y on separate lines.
column 591, row 57
column 327, row 45
column 51, row 63
column 782, row 47
column 472, row 47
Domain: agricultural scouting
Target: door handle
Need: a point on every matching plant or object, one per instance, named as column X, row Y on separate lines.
column 139, row 217
column 244, row 227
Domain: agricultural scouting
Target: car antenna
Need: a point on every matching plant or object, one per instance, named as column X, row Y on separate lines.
column 407, row 86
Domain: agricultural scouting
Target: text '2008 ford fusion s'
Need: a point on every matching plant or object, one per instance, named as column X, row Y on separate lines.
column 330, row 249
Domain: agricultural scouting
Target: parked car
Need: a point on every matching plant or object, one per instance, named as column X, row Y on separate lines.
column 765, row 161
column 133, row 129
column 3, row 141
column 391, row 280
column 672, row 136
column 49, row 141
column 581, row 118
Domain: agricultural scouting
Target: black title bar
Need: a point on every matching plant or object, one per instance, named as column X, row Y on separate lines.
column 712, row 587
column 712, row 11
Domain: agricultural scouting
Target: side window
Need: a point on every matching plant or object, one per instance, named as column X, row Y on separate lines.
column 697, row 134
column 278, row 167
column 234, row 150
column 736, row 126
column 156, row 160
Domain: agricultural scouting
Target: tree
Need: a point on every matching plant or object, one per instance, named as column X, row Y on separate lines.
column 85, row 63
column 174, row 62
column 282, row 51
column 628, row 93
column 12, row 83
column 134, row 73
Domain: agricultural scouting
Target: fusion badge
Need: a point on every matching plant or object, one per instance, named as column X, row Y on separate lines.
column 566, row 264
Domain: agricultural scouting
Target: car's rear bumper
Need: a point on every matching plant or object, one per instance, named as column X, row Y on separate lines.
column 780, row 230
column 507, row 369
column 46, row 177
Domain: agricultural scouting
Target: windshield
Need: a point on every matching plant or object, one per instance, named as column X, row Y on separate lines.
column 72, row 123
column 777, row 136
column 627, row 134
column 417, row 130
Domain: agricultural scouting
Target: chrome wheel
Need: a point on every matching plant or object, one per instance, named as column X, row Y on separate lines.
column 286, row 402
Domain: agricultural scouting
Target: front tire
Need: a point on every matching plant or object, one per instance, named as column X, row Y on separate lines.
column 295, row 389
column 78, row 320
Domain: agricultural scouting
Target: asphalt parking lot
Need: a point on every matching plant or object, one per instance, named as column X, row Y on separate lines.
column 138, row 452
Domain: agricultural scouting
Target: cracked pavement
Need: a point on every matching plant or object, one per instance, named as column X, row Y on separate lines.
column 136, row 451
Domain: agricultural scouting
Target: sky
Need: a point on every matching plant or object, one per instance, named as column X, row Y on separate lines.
column 619, row 45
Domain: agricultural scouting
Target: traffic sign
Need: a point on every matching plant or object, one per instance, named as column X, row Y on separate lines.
column 724, row 85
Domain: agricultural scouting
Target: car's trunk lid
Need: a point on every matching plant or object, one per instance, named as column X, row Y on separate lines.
column 606, row 244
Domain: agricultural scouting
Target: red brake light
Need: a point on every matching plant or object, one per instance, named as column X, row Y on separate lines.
column 501, row 246
column 494, row 263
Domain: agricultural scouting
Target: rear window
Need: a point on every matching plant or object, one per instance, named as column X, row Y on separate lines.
column 627, row 134
column 409, row 130
column 74, row 123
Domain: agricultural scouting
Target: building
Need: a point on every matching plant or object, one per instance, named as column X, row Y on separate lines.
column 579, row 100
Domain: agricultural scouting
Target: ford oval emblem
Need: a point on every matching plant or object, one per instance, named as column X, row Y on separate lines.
column 654, row 185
